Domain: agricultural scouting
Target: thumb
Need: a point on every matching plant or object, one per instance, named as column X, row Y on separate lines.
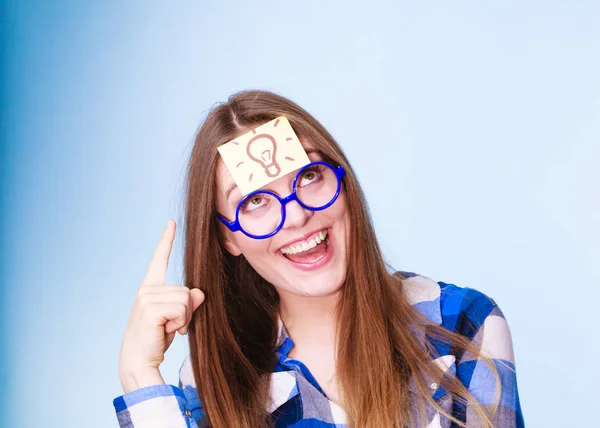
column 197, row 298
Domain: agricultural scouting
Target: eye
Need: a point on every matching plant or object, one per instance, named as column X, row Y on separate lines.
column 310, row 175
column 254, row 202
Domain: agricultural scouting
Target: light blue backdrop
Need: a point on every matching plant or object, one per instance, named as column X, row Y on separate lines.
column 474, row 130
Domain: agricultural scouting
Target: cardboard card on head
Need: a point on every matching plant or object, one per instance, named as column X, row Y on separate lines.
column 263, row 155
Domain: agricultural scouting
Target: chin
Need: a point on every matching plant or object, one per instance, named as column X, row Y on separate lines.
column 323, row 285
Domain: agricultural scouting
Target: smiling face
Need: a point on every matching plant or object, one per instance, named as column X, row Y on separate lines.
column 317, row 271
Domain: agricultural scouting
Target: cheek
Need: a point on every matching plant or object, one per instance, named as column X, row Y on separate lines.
column 339, row 210
column 252, row 249
column 340, row 216
column 258, row 254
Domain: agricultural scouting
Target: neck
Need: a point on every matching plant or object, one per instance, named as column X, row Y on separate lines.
column 309, row 319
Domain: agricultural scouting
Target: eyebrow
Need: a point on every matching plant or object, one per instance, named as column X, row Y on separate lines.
column 233, row 185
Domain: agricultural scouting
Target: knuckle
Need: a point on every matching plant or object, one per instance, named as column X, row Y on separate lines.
column 180, row 289
column 182, row 308
column 185, row 298
column 179, row 296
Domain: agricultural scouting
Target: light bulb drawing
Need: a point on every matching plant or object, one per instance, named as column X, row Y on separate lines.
column 262, row 149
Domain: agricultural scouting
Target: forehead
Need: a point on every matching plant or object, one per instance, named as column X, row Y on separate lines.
column 224, row 178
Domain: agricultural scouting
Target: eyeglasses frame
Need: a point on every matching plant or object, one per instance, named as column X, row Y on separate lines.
column 235, row 226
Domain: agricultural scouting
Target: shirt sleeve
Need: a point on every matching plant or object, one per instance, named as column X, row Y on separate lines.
column 162, row 406
column 484, row 324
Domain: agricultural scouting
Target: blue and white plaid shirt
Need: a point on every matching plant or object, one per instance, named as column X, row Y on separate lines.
column 296, row 399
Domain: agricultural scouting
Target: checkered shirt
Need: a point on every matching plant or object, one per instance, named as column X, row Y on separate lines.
column 297, row 400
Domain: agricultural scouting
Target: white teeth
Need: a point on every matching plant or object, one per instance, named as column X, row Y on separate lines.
column 312, row 243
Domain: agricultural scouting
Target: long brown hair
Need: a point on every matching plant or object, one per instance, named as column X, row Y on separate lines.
column 233, row 334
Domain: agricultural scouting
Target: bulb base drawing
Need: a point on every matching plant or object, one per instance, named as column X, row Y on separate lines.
column 272, row 170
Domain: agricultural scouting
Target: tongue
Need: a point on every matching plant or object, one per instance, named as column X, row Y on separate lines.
column 309, row 256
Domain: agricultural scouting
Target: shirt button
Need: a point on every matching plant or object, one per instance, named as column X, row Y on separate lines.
column 434, row 385
column 188, row 413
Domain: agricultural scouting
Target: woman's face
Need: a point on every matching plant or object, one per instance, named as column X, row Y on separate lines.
column 319, row 271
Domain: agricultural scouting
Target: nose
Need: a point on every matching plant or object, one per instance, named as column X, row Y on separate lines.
column 296, row 216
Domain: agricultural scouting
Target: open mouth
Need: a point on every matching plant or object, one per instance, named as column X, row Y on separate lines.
column 311, row 253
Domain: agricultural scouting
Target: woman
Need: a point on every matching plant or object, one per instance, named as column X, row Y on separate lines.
column 303, row 325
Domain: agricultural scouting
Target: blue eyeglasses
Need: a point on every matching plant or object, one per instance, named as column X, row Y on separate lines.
column 261, row 214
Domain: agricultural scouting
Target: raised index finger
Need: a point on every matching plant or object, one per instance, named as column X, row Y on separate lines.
column 157, row 271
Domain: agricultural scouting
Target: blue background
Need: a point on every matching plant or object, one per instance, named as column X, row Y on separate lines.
column 474, row 129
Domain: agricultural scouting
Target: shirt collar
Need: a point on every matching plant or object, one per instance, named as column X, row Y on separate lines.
column 424, row 294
